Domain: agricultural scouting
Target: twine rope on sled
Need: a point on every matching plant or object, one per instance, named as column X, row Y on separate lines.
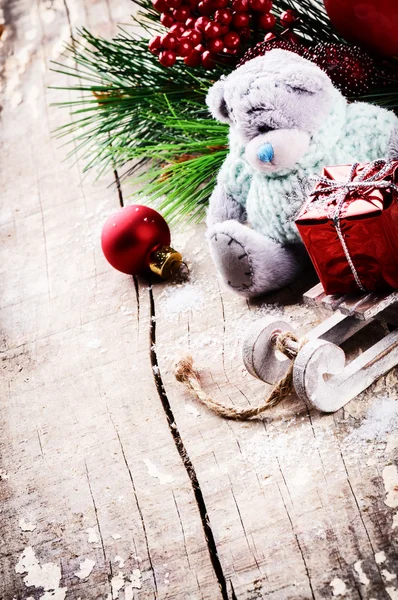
column 340, row 190
column 186, row 373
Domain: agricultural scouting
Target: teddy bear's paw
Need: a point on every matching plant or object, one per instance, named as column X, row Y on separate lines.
column 231, row 260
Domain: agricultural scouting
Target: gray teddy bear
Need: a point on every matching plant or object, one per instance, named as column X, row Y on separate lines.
column 287, row 121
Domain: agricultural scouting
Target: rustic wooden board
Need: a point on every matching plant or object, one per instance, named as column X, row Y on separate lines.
column 104, row 456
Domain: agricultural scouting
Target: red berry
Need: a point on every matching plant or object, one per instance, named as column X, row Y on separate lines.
column 288, row 18
column 184, row 48
column 224, row 30
column 201, row 23
column 169, row 41
column 193, row 36
column 291, row 37
column 193, row 59
column 167, row 58
column 205, row 7
column 159, row 5
column 207, row 60
column 223, row 16
column 173, row 3
column 263, row 6
column 231, row 40
column 220, row 3
column 166, row 19
column 177, row 29
column 230, row 51
column 215, row 45
column 155, row 45
column 190, row 22
column 192, row 3
column 212, row 30
column 266, row 21
column 269, row 36
column 240, row 20
column 200, row 48
column 245, row 34
column 240, row 5
column 182, row 13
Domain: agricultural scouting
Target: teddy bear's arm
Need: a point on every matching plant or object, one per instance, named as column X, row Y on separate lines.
column 223, row 207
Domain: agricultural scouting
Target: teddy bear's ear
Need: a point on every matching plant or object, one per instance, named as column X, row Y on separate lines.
column 216, row 102
column 304, row 81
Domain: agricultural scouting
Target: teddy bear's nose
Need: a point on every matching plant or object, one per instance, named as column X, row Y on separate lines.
column 265, row 153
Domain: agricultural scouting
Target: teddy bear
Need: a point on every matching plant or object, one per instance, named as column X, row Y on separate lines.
column 286, row 121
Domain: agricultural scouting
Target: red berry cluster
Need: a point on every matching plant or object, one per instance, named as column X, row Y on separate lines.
column 203, row 31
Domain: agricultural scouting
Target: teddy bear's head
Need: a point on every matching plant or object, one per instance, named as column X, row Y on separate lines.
column 275, row 103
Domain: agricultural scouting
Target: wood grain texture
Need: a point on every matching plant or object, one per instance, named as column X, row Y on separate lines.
column 97, row 439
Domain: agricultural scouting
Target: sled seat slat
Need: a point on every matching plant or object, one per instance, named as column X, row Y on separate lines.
column 362, row 307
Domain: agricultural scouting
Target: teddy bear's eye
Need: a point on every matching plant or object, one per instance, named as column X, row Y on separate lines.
column 264, row 128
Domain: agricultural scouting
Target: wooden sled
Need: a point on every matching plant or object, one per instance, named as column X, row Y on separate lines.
column 321, row 377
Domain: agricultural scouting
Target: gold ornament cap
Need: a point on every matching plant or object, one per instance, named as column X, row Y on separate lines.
column 165, row 262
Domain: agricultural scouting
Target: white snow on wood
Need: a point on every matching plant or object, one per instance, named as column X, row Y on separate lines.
column 136, row 579
column 116, row 536
column 380, row 557
column 361, row 574
column 117, row 582
column 47, row 576
column 92, row 536
column 390, row 478
column 387, row 575
column 339, row 588
column 26, row 525
column 392, row 592
column 85, row 568
column 192, row 410
column 394, row 521
column 3, row 475
column 154, row 472
column 120, row 561
column 128, row 592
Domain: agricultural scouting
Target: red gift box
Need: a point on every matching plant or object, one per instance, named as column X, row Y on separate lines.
column 349, row 226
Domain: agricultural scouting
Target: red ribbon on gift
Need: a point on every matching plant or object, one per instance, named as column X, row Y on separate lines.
column 370, row 178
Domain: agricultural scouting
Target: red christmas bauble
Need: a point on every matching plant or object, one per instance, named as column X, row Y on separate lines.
column 370, row 23
column 190, row 22
column 131, row 235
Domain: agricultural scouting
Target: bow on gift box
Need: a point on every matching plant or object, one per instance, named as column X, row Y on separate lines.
column 371, row 177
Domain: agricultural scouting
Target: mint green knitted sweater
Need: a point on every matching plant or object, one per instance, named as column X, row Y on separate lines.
column 357, row 132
